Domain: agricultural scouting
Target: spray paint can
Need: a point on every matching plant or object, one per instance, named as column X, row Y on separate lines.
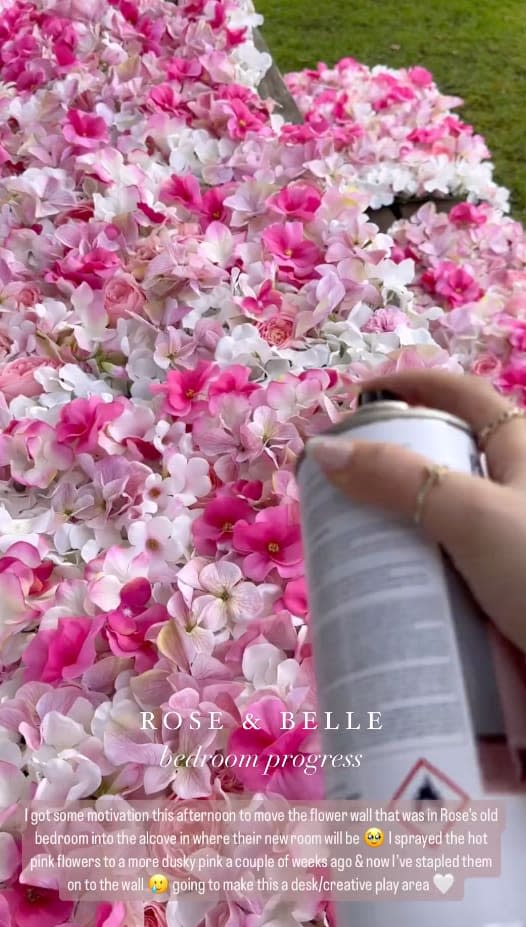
column 396, row 632
column 394, row 629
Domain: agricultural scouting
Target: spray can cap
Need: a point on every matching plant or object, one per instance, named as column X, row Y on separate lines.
column 368, row 396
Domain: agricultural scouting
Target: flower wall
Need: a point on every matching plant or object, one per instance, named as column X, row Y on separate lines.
column 189, row 288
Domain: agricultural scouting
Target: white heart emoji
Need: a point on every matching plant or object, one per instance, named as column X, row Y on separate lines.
column 444, row 881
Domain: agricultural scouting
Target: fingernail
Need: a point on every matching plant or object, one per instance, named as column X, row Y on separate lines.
column 332, row 454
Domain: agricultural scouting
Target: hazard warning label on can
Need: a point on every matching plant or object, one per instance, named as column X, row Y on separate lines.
column 427, row 787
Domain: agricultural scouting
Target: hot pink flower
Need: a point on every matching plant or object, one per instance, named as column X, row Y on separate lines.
column 184, row 189
column 298, row 201
column 94, row 267
column 84, row 130
column 126, row 631
column 242, row 120
column 467, row 214
column 63, row 653
column 295, row 597
column 286, row 243
column 273, row 541
column 32, row 906
column 185, row 390
column 517, row 336
column 453, row 283
column 215, row 526
column 82, row 420
column 513, row 380
column 420, row 76
column 17, row 376
column 233, row 381
column 270, row 740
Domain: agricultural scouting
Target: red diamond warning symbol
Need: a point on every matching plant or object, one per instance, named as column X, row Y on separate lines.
column 425, row 786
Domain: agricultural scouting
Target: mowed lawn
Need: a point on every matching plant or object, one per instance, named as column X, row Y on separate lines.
column 474, row 48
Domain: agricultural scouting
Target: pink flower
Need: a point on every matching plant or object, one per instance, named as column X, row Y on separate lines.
column 216, row 525
column 295, row 597
column 185, row 390
column 84, row 130
column 126, row 629
column 487, row 365
column 467, row 214
column 17, row 376
column 453, row 283
column 122, row 296
column 232, row 382
column 513, row 380
column 94, row 267
column 277, row 330
column 517, row 335
column 266, row 300
column 82, row 420
column 273, row 541
column 183, row 189
column 269, row 774
column 154, row 915
column 298, row 201
column 286, row 243
column 32, row 906
column 226, row 598
column 63, row 653
column 420, row 76
column 385, row 320
column 242, row 120
column 34, row 454
column 184, row 69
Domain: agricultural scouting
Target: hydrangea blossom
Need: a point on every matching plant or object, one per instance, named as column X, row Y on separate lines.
column 189, row 289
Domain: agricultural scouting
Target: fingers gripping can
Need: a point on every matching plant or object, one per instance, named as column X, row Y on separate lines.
column 397, row 638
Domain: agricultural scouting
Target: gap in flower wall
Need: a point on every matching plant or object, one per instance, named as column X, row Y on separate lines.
column 189, row 288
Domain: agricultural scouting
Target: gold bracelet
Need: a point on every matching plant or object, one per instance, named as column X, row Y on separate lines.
column 507, row 416
column 434, row 475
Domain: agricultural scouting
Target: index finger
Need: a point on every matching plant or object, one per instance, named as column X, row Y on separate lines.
column 474, row 400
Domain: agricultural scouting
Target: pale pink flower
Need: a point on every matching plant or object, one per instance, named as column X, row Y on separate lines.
column 122, row 297
column 34, row 454
column 160, row 537
column 226, row 598
column 17, row 376
column 486, row 365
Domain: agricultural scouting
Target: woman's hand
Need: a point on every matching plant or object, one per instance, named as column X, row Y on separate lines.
column 480, row 523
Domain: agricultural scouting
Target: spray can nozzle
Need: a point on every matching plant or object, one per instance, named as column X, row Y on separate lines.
column 367, row 396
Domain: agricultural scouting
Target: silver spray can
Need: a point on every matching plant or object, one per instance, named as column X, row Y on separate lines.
column 393, row 629
column 396, row 632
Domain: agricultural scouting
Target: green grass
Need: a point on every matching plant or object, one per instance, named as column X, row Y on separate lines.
column 476, row 49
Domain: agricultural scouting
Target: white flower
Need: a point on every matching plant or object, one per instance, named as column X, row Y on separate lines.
column 261, row 664
column 161, row 538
